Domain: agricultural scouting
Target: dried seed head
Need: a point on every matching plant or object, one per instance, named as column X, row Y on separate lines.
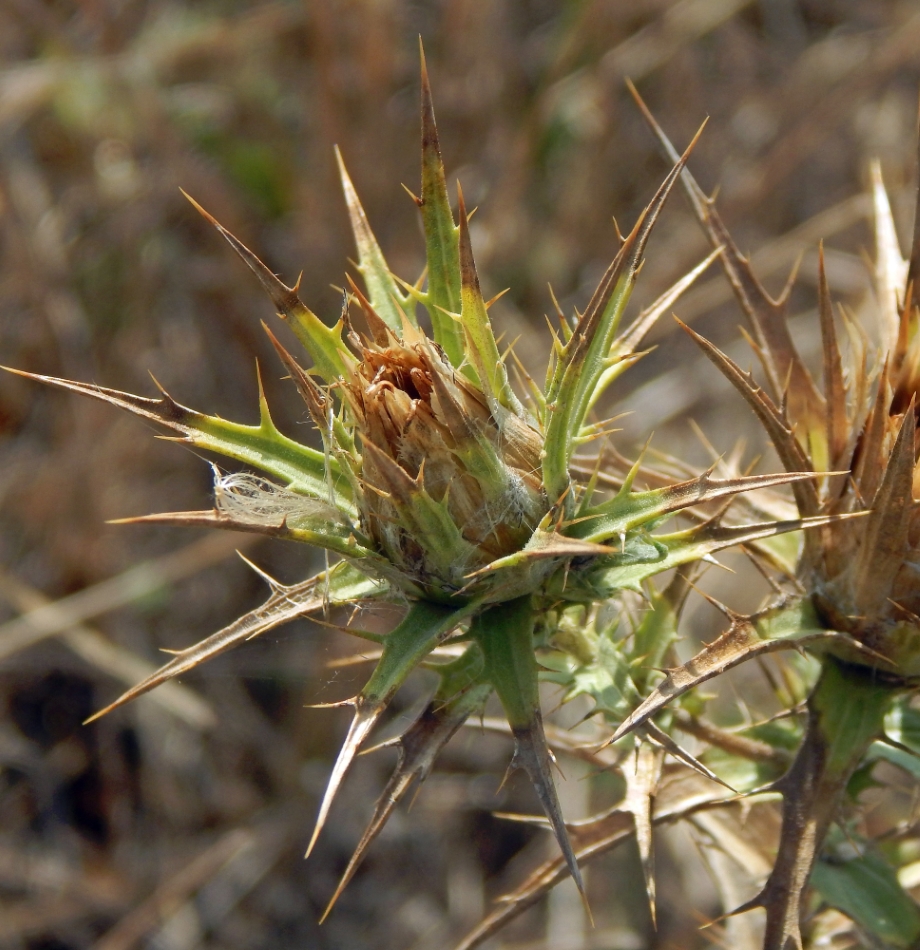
column 448, row 487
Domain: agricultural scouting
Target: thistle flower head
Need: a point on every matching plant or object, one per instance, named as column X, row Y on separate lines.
column 440, row 491
column 861, row 432
column 447, row 486
column 865, row 579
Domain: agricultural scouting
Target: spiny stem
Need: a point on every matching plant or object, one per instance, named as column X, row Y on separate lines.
column 845, row 715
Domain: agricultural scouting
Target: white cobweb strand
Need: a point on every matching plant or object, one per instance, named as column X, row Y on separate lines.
column 249, row 498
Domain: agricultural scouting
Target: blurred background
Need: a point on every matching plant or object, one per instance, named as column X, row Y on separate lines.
column 180, row 821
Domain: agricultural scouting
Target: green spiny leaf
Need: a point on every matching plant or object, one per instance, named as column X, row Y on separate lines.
column 586, row 356
column 866, row 889
column 340, row 440
column 294, row 465
column 745, row 638
column 623, row 351
column 628, row 510
column 657, row 630
column 383, row 291
column 441, row 238
column 487, row 364
column 607, row 680
column 324, row 344
column 505, row 635
column 420, row 631
column 642, row 555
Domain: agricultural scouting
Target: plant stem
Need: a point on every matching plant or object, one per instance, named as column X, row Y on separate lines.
column 845, row 715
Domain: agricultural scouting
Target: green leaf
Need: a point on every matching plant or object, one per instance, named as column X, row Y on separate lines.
column 382, row 290
column 645, row 556
column 441, row 238
column 628, row 510
column 905, row 760
column 623, row 351
column 866, row 889
column 420, row 631
column 902, row 732
column 783, row 628
column 462, row 677
column 903, row 723
column 505, row 635
column 295, row 466
column 264, row 447
column 608, row 681
column 741, row 774
column 586, row 357
column 325, row 345
column 653, row 637
column 852, row 706
column 487, row 367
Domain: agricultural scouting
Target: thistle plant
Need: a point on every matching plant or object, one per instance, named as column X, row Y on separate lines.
column 442, row 490
column 850, row 597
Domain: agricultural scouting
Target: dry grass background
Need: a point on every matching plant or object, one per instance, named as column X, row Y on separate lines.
column 180, row 822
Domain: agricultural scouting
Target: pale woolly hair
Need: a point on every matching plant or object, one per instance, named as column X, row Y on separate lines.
column 256, row 500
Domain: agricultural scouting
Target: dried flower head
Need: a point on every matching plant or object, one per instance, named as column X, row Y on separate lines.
column 851, row 597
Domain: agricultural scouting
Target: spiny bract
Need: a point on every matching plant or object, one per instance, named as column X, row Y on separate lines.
column 442, row 492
